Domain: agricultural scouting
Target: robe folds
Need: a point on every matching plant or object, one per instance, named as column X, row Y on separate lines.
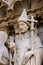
column 24, row 46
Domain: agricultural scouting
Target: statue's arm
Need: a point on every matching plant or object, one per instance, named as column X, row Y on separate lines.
column 27, row 56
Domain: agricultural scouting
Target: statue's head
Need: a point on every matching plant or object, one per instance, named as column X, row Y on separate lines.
column 3, row 37
column 11, row 39
column 10, row 42
column 23, row 26
column 23, row 22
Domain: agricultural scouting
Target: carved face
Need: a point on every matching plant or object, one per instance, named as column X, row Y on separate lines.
column 23, row 26
column 10, row 42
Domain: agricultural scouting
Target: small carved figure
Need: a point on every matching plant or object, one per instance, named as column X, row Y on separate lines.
column 11, row 43
column 12, row 49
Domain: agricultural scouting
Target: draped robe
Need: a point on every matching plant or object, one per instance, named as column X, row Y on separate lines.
column 24, row 46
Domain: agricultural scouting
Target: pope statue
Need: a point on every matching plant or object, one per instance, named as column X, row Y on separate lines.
column 25, row 55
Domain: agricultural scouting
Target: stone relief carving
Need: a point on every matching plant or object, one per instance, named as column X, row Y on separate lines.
column 24, row 53
column 24, row 56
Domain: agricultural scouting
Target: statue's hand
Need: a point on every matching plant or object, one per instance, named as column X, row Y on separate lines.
column 25, row 60
column 27, row 56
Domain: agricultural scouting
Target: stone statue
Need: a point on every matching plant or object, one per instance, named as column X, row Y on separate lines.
column 4, row 55
column 12, row 48
column 25, row 54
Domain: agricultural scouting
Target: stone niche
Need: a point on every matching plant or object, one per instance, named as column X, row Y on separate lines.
column 20, row 5
column 3, row 12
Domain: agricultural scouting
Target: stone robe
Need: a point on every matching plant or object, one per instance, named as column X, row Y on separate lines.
column 24, row 47
column 4, row 55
